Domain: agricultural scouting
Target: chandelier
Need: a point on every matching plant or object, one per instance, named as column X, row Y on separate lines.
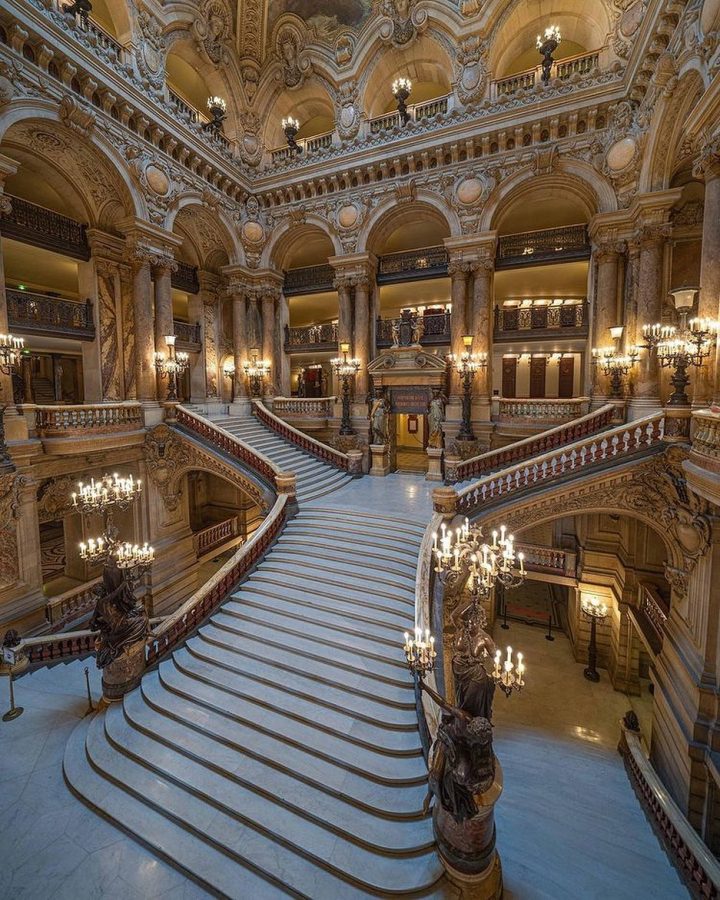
column 10, row 349
column 464, row 550
column 401, row 88
column 420, row 652
column 290, row 128
column 345, row 368
column 614, row 363
column 110, row 490
column 256, row 370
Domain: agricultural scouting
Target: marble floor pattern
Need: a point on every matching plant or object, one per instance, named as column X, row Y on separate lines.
column 557, row 740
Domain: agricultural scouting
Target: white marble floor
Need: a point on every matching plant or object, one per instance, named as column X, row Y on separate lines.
column 405, row 495
column 569, row 826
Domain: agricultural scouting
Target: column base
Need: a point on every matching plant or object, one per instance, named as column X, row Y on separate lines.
column 487, row 885
column 379, row 459
column 434, row 471
column 124, row 673
column 240, row 407
column 638, row 407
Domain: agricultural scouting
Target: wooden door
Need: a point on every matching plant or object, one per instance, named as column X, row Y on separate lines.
column 537, row 376
column 509, row 377
column 566, row 376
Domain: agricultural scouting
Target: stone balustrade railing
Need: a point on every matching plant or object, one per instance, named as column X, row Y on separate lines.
column 654, row 608
column 591, row 423
column 71, row 604
column 548, row 559
column 582, row 64
column 94, row 418
column 177, row 627
column 304, row 407
column 706, row 438
column 691, row 856
column 621, row 442
column 308, row 145
column 231, row 445
column 50, row 648
column 545, row 410
column 438, row 106
column 215, row 535
column 350, row 462
column 93, row 29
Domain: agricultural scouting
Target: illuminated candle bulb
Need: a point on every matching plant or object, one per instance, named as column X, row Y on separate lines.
column 509, row 654
column 435, row 542
column 407, row 639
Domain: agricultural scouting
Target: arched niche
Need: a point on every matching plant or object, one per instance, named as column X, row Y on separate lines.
column 301, row 246
column 583, row 26
column 310, row 104
column 425, row 62
column 539, row 204
column 406, row 226
column 194, row 80
column 114, row 17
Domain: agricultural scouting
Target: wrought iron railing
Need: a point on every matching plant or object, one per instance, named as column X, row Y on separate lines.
column 187, row 333
column 185, row 278
column 52, row 316
column 216, row 535
column 308, row 280
column 436, row 330
column 533, row 247
column 312, row 337
column 428, row 262
column 32, row 224
column 511, row 319
column 96, row 418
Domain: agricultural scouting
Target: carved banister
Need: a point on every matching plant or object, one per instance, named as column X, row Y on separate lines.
column 71, row 604
column 529, row 447
column 93, row 418
column 303, row 441
column 305, row 407
column 48, row 648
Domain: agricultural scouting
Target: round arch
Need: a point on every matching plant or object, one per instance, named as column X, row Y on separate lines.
column 391, row 215
column 208, row 229
column 311, row 104
column 285, row 240
column 115, row 17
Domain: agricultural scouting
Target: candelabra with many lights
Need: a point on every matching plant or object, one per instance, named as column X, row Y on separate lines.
column 547, row 43
column 256, row 371
column 614, row 363
column 401, row 88
column 10, row 349
column 595, row 610
column 680, row 348
column 290, row 128
column 229, row 371
column 217, row 108
column 172, row 366
column 345, row 369
column 467, row 364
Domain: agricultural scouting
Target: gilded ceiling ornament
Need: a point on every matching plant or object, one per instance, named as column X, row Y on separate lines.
column 289, row 43
column 400, row 21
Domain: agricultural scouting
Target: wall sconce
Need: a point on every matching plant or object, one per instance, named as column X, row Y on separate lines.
column 217, row 107
column 401, row 88
column 547, row 44
column 291, row 127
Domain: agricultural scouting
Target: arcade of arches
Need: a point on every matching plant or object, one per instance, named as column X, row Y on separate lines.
column 320, row 321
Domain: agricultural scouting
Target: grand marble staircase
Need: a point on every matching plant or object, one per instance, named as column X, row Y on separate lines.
column 277, row 753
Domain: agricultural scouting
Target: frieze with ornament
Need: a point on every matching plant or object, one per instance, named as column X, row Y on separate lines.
column 9, row 502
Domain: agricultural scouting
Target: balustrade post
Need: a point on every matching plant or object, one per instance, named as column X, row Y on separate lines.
column 707, row 379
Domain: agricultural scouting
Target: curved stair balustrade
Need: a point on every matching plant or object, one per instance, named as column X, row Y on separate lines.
column 617, row 444
column 177, row 627
column 347, row 462
column 304, row 407
column 692, row 858
column 49, row 648
column 525, row 449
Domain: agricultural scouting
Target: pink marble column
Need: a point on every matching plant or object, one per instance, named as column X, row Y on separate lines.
column 240, row 349
column 707, row 386
column 343, row 285
column 145, row 379
column 481, row 323
column 649, row 307
column 361, row 344
column 458, row 273
column 605, row 314
column 164, row 324
column 268, row 339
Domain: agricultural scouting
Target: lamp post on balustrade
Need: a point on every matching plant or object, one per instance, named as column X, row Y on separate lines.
column 466, row 365
column 11, row 348
column 171, row 367
column 401, row 88
column 345, row 369
column 596, row 611
column 547, row 44
column 291, row 127
column 217, row 108
column 615, row 364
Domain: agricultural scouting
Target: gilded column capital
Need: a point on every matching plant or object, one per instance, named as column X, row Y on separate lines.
column 459, row 269
column 608, row 250
column 707, row 165
column 655, row 233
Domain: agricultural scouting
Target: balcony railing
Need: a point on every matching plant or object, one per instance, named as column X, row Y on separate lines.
column 67, row 607
column 304, row 407
column 187, row 333
column 531, row 248
column 582, row 64
column 545, row 411
column 186, row 109
column 81, row 419
column 40, row 314
column 429, row 262
column 309, row 280
column 311, row 337
column 549, row 560
column 32, row 224
column 185, row 278
column 216, row 536
column 309, row 146
column 417, row 112
column 436, row 330
column 539, row 321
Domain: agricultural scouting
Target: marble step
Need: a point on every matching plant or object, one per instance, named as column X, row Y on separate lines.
column 305, row 764
column 308, row 534
column 307, row 588
column 279, row 790
column 367, row 659
column 365, row 571
column 398, row 714
column 382, row 767
column 364, row 725
column 376, row 621
column 372, row 528
column 348, row 675
column 400, row 593
column 391, row 522
column 323, row 490
column 193, row 853
column 312, row 873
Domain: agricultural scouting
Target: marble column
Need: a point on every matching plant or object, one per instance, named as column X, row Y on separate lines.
column 343, row 285
column 146, row 382
column 458, row 273
column 605, row 315
column 481, row 323
column 707, row 381
column 283, row 358
column 268, row 338
column 361, row 345
column 240, row 349
column 164, row 324
column 209, row 295
column 649, row 309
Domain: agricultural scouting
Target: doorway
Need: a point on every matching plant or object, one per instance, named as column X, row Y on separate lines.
column 411, row 436
column 537, row 376
column 566, row 377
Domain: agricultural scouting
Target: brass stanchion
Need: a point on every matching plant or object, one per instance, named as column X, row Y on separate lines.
column 14, row 711
column 90, row 708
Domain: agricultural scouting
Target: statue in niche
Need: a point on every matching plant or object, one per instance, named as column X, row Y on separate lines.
column 119, row 616
column 436, row 418
column 379, row 410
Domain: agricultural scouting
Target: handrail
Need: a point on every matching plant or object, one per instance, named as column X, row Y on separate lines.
column 178, row 626
column 549, row 409
column 548, row 559
column 216, row 535
column 315, row 407
column 46, row 648
column 528, row 447
column 80, row 418
column 698, row 867
column 626, row 439
column 74, row 602
column 229, row 444
column 303, row 441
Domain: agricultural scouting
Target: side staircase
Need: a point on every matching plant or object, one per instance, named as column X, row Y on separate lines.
column 315, row 478
column 277, row 753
